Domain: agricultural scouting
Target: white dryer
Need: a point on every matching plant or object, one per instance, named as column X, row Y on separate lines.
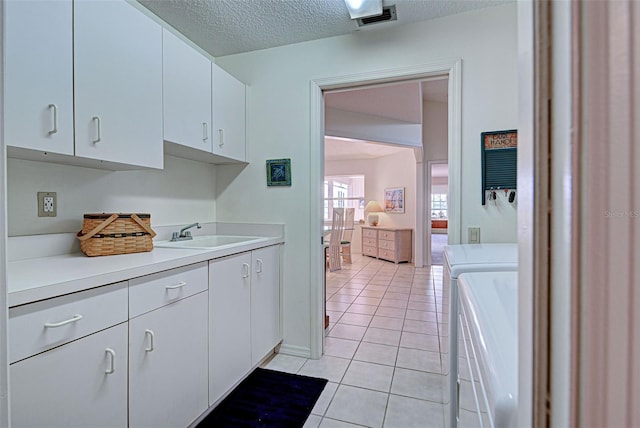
column 488, row 330
column 460, row 259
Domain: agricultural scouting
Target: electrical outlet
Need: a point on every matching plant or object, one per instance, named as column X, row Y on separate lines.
column 474, row 235
column 47, row 204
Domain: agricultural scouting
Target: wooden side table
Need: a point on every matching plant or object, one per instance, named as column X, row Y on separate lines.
column 387, row 243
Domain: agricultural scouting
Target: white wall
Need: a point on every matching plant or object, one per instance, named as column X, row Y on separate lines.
column 279, row 110
column 182, row 193
column 434, row 130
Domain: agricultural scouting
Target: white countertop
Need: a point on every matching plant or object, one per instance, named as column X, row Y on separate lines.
column 42, row 278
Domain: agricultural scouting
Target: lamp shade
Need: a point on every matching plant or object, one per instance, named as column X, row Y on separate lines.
column 373, row 207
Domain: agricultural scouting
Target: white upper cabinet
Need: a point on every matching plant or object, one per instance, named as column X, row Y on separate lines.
column 39, row 76
column 118, row 84
column 186, row 83
column 229, row 116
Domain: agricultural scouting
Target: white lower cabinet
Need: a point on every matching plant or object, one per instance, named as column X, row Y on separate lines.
column 244, row 315
column 168, row 348
column 229, row 323
column 80, row 384
column 168, row 364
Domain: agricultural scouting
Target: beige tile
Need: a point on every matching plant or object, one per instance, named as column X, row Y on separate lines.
column 362, row 309
column 404, row 412
column 376, row 353
column 359, row 406
column 425, row 342
column 393, row 303
column 347, row 331
column 375, row 301
column 416, row 384
column 424, row 327
column 389, row 323
column 421, row 315
column 356, row 319
column 313, row 421
column 417, row 359
column 385, row 311
column 382, row 336
column 327, row 367
column 285, row 363
column 342, row 348
column 325, row 399
column 368, row 375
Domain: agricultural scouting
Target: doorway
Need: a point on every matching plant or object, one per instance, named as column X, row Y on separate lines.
column 450, row 69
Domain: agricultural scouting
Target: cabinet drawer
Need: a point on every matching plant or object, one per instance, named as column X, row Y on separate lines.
column 387, row 235
column 154, row 291
column 368, row 241
column 40, row 326
column 369, row 233
column 369, row 251
column 386, row 245
column 388, row 255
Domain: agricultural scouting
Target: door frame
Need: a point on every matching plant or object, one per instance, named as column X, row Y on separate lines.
column 427, row 209
column 451, row 68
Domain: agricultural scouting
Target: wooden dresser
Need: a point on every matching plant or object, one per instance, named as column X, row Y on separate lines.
column 388, row 243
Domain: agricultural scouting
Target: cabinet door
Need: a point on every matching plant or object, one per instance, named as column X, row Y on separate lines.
column 80, row 384
column 229, row 323
column 39, row 76
column 168, row 364
column 186, row 80
column 229, row 112
column 118, row 84
column 265, row 302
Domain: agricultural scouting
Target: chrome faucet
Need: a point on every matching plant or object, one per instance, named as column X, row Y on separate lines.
column 184, row 235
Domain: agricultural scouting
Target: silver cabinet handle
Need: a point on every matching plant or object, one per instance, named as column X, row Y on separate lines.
column 96, row 119
column 221, row 135
column 245, row 270
column 173, row 287
column 112, row 365
column 259, row 266
column 205, row 131
column 151, row 337
column 75, row 318
column 55, row 118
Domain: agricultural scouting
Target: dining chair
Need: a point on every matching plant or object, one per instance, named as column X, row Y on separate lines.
column 347, row 234
column 335, row 240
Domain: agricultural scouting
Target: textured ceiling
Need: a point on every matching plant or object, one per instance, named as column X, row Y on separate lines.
column 224, row 27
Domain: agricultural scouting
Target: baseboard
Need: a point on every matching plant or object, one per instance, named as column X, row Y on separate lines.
column 295, row 351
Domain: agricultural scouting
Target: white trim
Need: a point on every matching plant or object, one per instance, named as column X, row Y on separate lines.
column 293, row 350
column 4, row 358
column 316, row 166
column 427, row 208
column 525, row 212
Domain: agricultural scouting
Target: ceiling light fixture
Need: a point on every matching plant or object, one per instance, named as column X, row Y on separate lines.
column 364, row 8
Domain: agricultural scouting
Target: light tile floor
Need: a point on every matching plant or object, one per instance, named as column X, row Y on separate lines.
column 384, row 349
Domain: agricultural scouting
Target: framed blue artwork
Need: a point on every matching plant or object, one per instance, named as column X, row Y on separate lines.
column 278, row 172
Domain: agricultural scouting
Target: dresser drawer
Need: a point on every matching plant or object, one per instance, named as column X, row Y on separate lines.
column 370, row 242
column 369, row 233
column 369, row 251
column 387, row 235
column 388, row 255
column 154, row 291
column 41, row 326
column 386, row 245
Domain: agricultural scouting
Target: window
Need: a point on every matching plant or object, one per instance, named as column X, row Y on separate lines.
column 343, row 192
column 438, row 206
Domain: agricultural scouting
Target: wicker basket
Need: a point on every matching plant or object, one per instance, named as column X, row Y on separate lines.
column 110, row 234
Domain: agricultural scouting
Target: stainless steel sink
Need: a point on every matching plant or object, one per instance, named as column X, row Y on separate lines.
column 207, row 242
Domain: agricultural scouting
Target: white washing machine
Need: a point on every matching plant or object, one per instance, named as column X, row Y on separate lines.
column 460, row 259
column 488, row 328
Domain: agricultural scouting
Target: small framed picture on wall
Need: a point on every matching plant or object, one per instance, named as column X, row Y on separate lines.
column 394, row 200
column 279, row 172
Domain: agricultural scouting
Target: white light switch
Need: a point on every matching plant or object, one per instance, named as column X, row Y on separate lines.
column 474, row 235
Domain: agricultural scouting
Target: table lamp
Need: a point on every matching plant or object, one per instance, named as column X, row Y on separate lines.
column 373, row 207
